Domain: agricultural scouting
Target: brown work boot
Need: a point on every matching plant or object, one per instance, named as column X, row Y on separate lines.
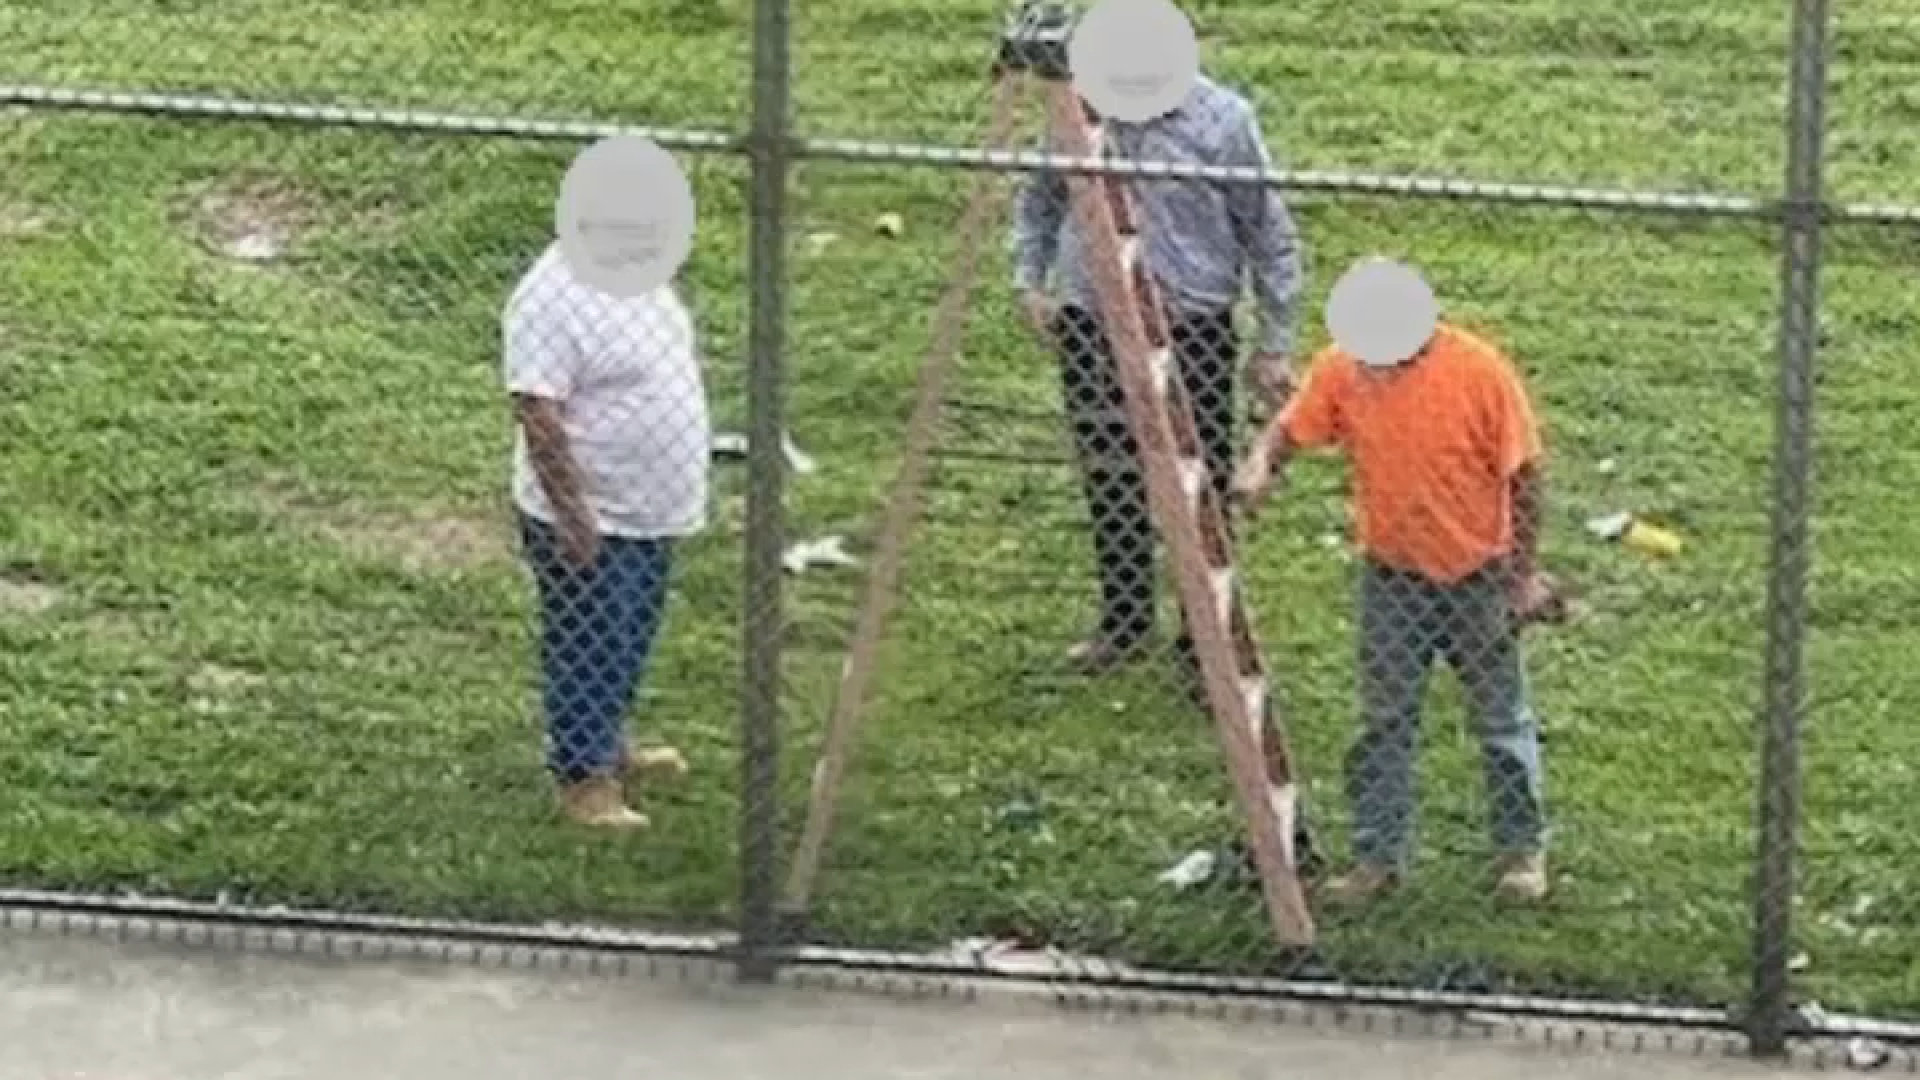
column 1101, row 654
column 652, row 759
column 1523, row 878
column 598, row 802
column 1362, row 884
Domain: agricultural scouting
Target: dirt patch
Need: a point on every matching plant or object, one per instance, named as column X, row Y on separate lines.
column 730, row 515
column 436, row 542
column 420, row 541
column 253, row 219
column 19, row 596
column 216, row 679
column 120, row 628
column 18, row 221
column 215, row 689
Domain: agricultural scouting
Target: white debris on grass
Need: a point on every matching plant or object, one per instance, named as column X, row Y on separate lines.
column 262, row 245
column 826, row 551
column 797, row 460
column 1013, row 958
column 733, row 444
column 1195, row 869
column 1610, row 527
column 1864, row 1053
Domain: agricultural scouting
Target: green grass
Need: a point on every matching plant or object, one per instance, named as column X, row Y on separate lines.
column 274, row 673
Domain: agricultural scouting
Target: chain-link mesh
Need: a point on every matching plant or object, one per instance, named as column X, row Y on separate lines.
column 1853, row 912
column 610, row 478
column 272, row 629
column 487, row 58
column 1852, row 901
column 1625, row 346
column 1041, row 771
column 1868, row 55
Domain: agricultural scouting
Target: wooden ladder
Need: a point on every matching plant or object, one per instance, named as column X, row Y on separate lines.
column 1182, row 502
column 1184, row 505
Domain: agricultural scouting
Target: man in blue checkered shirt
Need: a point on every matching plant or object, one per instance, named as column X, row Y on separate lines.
column 1202, row 241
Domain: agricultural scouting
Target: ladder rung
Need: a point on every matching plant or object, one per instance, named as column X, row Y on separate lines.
column 1193, row 477
column 1282, row 800
column 1253, row 690
column 1223, row 577
column 1160, row 365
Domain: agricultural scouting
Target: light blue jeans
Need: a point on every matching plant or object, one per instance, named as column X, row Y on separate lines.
column 1406, row 622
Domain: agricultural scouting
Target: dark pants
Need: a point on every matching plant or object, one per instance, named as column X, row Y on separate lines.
column 1114, row 485
column 597, row 630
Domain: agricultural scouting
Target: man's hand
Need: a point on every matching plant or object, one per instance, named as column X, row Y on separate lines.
column 1040, row 311
column 1271, row 382
column 1536, row 597
column 1254, row 478
column 579, row 537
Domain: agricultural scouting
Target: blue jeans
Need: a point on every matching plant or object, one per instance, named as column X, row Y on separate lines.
column 1406, row 622
column 597, row 630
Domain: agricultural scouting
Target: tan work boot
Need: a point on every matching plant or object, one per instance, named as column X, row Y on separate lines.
column 1523, row 878
column 1362, row 884
column 598, row 802
column 652, row 759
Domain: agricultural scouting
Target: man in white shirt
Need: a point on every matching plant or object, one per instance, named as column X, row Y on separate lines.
column 610, row 470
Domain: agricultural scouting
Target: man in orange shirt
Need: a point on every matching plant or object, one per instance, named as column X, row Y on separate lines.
column 1446, row 455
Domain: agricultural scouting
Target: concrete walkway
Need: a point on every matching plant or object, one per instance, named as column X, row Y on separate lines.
column 74, row 1008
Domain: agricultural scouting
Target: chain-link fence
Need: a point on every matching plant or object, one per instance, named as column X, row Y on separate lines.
column 1851, row 905
column 277, row 634
column 351, row 547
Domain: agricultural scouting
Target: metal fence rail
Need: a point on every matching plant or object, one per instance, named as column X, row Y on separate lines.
column 1030, row 798
column 1702, row 204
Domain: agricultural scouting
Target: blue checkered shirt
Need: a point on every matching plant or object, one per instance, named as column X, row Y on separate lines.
column 1202, row 240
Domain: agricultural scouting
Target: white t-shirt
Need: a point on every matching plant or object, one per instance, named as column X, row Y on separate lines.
column 626, row 373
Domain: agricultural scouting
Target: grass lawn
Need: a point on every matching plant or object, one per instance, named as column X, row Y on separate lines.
column 262, row 633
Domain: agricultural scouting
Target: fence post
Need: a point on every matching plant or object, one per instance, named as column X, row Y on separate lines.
column 1770, row 1007
column 762, row 615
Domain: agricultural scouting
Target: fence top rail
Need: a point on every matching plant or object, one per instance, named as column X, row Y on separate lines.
column 856, row 151
column 388, row 118
column 1338, row 181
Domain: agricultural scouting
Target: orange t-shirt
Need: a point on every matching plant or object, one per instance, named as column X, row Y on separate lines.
column 1434, row 445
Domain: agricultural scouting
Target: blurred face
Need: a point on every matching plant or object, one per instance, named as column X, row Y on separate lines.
column 1384, row 375
column 1382, row 313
